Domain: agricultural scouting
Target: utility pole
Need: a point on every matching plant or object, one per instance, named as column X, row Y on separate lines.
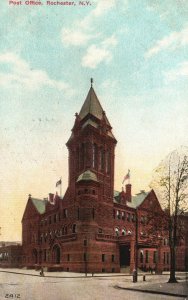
column 135, row 272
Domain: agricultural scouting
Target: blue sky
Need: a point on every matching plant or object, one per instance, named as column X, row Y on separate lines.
column 137, row 53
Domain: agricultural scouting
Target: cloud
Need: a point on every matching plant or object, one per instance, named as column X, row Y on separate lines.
column 75, row 37
column 174, row 40
column 18, row 72
column 97, row 54
column 180, row 71
column 82, row 31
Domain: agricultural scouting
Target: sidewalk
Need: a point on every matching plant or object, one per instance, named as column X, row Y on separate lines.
column 159, row 286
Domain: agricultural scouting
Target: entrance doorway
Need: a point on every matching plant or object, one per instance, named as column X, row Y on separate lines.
column 56, row 254
column 124, row 256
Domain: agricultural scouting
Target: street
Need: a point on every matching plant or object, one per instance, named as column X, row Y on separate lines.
column 77, row 286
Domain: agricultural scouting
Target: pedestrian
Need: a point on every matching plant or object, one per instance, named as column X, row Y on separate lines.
column 42, row 272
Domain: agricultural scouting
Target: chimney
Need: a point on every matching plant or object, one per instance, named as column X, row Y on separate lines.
column 128, row 192
column 51, row 198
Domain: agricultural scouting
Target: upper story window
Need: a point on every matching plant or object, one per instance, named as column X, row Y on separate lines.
column 117, row 231
column 94, row 156
column 128, row 217
column 123, row 215
column 65, row 213
column 123, row 231
column 101, row 159
column 82, row 156
column 118, row 214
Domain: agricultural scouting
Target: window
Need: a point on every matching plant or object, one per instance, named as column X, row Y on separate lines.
column 117, row 231
column 123, row 215
column 147, row 256
column 128, row 217
column 82, row 156
column 123, row 231
column 74, row 228
column 65, row 213
column 118, row 214
column 94, row 156
column 141, row 256
column 103, row 257
column 113, row 258
column 85, row 242
column 155, row 256
column 68, row 257
column 133, row 218
column 50, row 219
column 101, row 159
column 78, row 213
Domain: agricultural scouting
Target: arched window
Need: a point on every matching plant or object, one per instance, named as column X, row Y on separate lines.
column 123, row 232
column 82, row 156
column 117, row 231
column 94, row 156
column 101, row 159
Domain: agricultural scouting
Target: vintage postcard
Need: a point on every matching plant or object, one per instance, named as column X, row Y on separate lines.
column 93, row 98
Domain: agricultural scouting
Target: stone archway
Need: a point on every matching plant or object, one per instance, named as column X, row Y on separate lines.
column 56, row 254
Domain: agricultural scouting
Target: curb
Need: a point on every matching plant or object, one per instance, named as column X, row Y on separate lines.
column 151, row 292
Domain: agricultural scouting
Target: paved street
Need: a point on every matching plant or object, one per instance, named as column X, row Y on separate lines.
column 77, row 287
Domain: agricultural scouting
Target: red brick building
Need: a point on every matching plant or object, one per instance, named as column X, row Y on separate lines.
column 93, row 228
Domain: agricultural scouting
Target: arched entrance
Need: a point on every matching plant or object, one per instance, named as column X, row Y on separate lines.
column 35, row 256
column 56, row 254
column 124, row 258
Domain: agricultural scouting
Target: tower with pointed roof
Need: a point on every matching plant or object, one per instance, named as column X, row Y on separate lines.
column 91, row 150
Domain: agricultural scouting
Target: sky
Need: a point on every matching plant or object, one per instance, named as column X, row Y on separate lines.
column 137, row 53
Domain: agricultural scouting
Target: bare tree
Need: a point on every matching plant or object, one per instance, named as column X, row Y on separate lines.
column 171, row 184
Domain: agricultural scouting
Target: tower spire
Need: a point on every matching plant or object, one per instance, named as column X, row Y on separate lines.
column 91, row 82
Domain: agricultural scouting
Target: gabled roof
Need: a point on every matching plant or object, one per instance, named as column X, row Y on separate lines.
column 40, row 205
column 92, row 106
column 137, row 200
column 87, row 175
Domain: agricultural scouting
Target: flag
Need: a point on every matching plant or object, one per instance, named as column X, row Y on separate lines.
column 126, row 177
column 58, row 182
